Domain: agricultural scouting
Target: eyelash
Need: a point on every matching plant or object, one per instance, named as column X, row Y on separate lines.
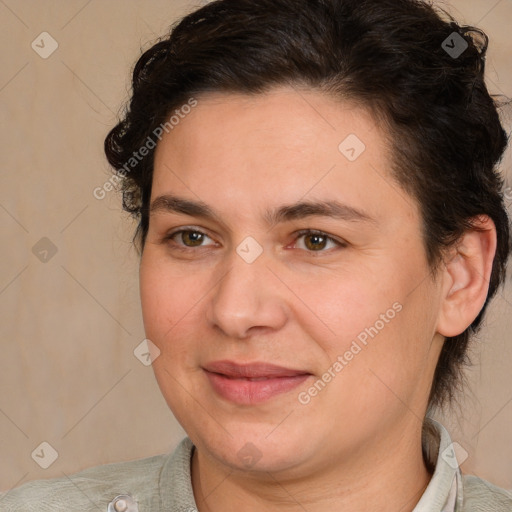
column 299, row 234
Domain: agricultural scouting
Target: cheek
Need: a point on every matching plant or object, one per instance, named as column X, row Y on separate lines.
column 389, row 363
column 375, row 321
column 347, row 306
column 168, row 299
column 173, row 319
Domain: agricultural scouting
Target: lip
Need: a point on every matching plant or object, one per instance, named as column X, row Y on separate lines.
column 252, row 383
column 251, row 370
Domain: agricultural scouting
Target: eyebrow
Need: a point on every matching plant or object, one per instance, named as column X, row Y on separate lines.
column 169, row 203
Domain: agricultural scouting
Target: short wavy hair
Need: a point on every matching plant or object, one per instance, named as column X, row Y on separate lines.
column 389, row 56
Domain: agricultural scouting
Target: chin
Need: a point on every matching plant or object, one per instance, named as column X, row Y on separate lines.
column 252, row 448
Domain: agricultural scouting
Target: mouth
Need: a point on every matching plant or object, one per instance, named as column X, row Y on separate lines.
column 248, row 384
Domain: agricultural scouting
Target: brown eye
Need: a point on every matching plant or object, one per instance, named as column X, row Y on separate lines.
column 187, row 238
column 316, row 241
column 192, row 238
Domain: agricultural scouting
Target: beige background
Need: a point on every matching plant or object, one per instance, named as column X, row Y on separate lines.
column 68, row 375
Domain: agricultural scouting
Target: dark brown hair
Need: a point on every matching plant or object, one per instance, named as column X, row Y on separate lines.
column 413, row 66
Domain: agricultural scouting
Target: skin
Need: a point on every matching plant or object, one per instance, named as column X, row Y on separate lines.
column 357, row 444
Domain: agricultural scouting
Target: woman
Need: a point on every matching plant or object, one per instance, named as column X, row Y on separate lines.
column 321, row 228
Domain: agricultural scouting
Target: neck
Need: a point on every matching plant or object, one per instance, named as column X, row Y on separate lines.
column 388, row 476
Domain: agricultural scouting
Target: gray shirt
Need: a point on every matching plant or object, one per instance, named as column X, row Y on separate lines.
column 163, row 484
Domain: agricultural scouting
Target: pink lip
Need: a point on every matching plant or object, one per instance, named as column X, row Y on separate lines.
column 235, row 382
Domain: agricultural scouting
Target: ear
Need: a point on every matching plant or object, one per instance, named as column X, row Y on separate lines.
column 466, row 276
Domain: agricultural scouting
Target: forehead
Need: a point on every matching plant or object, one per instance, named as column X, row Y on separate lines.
column 251, row 151
column 283, row 118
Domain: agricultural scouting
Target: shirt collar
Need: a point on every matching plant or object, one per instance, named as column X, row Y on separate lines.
column 443, row 493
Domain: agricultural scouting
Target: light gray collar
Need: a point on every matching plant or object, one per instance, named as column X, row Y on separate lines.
column 444, row 491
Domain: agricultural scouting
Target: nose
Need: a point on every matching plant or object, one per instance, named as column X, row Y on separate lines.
column 248, row 299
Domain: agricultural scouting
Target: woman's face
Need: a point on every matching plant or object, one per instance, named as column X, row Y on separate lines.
column 348, row 312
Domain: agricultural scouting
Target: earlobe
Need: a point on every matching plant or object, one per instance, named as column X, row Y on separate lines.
column 466, row 277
